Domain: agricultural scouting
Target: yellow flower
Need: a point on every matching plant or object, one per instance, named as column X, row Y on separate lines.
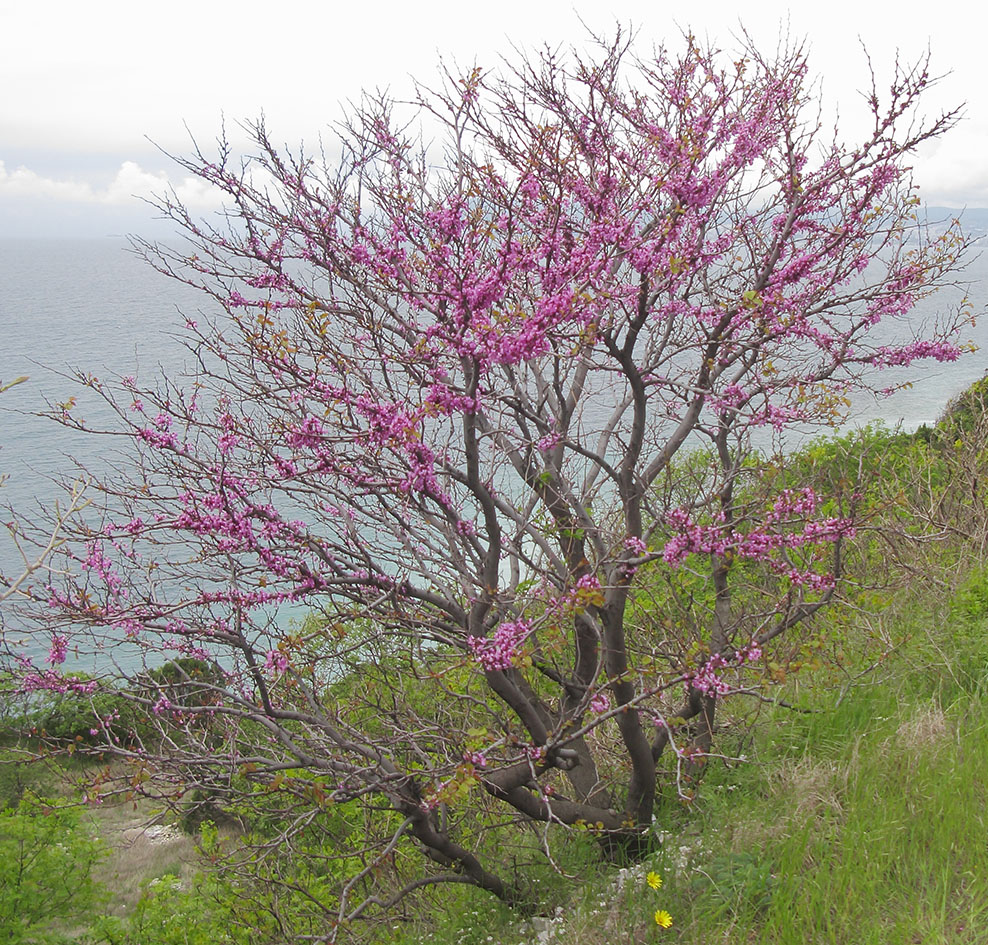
column 654, row 880
column 663, row 919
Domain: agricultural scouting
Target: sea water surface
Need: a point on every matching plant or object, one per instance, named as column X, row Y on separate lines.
column 94, row 305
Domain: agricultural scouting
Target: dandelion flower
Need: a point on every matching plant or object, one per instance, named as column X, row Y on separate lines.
column 654, row 880
column 663, row 919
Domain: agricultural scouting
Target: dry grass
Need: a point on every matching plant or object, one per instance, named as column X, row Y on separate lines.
column 924, row 731
column 142, row 848
column 142, row 843
column 813, row 787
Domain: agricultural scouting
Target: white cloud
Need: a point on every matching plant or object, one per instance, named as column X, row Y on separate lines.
column 130, row 182
column 24, row 182
column 953, row 171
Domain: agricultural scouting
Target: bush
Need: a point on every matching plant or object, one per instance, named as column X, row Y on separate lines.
column 46, row 866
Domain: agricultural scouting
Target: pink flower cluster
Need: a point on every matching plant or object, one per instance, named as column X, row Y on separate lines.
column 446, row 401
column 159, row 440
column 635, row 545
column 709, row 680
column 100, row 565
column 307, row 434
column 500, row 651
column 759, row 544
column 904, row 355
column 162, row 706
column 548, row 442
column 276, row 662
column 587, row 582
column 600, row 703
column 50, row 681
column 793, row 502
column 58, row 649
column 228, row 440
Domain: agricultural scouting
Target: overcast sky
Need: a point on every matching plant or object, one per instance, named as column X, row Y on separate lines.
column 88, row 86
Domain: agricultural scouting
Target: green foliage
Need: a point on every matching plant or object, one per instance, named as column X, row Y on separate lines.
column 456, row 915
column 214, row 908
column 965, row 413
column 169, row 913
column 71, row 717
column 64, row 716
column 18, row 776
column 186, row 678
column 971, row 601
column 892, row 849
column 863, row 821
column 46, row 865
column 742, row 882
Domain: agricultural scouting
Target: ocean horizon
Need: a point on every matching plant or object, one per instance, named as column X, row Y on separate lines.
column 92, row 305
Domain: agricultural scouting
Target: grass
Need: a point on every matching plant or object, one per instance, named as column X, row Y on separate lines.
column 881, row 841
column 862, row 822
column 859, row 821
column 866, row 826
column 140, row 851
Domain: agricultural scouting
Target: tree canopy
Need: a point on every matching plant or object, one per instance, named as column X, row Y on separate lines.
column 490, row 389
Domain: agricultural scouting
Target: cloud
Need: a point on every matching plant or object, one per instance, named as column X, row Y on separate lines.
column 130, row 181
column 952, row 171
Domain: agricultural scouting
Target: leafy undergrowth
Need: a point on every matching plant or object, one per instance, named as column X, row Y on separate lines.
column 859, row 820
column 859, row 816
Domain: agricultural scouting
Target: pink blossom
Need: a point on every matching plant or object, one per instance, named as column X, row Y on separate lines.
column 162, row 706
column 707, row 678
column 447, row 401
column 751, row 654
column 548, row 442
column 159, row 440
column 500, row 651
column 918, row 350
column 635, row 545
column 276, row 661
column 600, row 703
column 58, row 649
column 50, row 681
column 307, row 434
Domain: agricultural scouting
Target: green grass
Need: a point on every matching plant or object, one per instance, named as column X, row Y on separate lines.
column 880, row 841
column 861, row 822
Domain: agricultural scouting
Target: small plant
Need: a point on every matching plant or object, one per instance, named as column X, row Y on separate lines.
column 46, row 866
column 661, row 917
column 740, row 882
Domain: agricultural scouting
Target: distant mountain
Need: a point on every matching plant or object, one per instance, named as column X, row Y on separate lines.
column 974, row 220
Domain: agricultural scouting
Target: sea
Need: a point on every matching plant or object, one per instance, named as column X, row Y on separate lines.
column 93, row 305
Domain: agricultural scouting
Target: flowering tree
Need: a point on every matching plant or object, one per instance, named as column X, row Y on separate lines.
column 484, row 406
column 10, row 583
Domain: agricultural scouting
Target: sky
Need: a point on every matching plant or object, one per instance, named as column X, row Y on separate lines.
column 96, row 95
